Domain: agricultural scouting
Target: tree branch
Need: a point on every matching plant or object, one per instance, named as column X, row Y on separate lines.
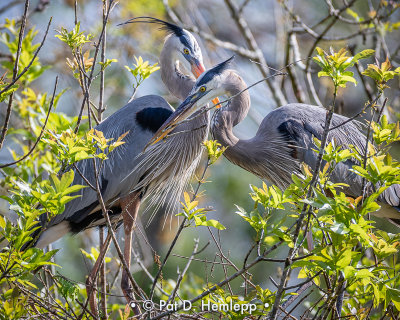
column 40, row 135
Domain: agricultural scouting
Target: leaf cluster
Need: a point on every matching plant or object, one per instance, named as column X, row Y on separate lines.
column 142, row 70
column 198, row 215
column 214, row 150
column 335, row 65
column 381, row 74
column 75, row 38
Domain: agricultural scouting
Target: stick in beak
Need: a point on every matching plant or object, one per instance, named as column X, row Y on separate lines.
column 181, row 112
column 171, row 122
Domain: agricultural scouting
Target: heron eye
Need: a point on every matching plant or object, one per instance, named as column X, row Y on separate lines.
column 202, row 89
column 186, row 51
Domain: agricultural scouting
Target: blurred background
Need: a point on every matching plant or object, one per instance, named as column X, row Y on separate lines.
column 271, row 23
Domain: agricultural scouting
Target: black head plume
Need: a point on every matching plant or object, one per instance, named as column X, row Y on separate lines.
column 164, row 25
column 216, row 70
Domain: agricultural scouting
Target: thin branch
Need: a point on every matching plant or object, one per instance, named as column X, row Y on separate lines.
column 10, row 5
column 212, row 289
column 83, row 177
column 89, row 77
column 327, row 28
column 103, row 280
column 15, row 72
column 41, row 132
column 292, row 47
column 31, row 62
column 304, row 212
column 182, row 274
column 103, row 296
column 357, row 114
column 243, row 5
column 244, row 52
column 252, row 43
column 148, row 274
column 102, row 59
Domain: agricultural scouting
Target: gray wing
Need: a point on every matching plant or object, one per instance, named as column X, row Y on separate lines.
column 300, row 122
column 153, row 110
column 313, row 120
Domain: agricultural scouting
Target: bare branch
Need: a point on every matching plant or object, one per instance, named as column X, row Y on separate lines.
column 252, row 43
column 32, row 60
column 41, row 132
column 15, row 72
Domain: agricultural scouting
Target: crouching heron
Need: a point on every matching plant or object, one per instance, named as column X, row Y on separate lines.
column 284, row 139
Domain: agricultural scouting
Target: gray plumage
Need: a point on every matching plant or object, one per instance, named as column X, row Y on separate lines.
column 131, row 174
column 161, row 172
column 284, row 139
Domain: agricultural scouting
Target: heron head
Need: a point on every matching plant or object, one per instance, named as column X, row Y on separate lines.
column 184, row 45
column 207, row 88
column 187, row 52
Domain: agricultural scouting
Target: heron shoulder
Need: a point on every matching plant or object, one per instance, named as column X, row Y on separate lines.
column 152, row 118
column 126, row 119
column 312, row 117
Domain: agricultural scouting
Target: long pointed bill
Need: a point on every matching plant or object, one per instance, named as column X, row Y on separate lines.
column 197, row 70
column 216, row 102
column 183, row 111
column 180, row 114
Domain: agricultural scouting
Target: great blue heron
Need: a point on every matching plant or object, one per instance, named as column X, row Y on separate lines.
column 284, row 139
column 130, row 175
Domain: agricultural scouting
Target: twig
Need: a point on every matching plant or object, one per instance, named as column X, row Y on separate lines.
column 297, row 90
column 365, row 154
column 9, row 5
column 30, row 62
column 87, row 82
column 222, row 256
column 305, row 210
column 41, row 132
column 103, row 296
column 212, row 289
column 83, row 177
column 100, row 109
column 252, row 43
column 182, row 274
column 298, row 303
column 15, row 72
column 140, row 263
column 244, row 4
column 103, row 281
column 357, row 114
column 244, row 52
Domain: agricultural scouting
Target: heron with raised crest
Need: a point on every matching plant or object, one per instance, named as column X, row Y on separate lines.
column 130, row 174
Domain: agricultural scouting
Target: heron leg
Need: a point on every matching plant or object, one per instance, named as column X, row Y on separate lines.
column 91, row 286
column 130, row 207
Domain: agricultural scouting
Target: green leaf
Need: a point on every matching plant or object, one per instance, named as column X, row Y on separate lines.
column 210, row 223
column 2, row 222
column 364, row 54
